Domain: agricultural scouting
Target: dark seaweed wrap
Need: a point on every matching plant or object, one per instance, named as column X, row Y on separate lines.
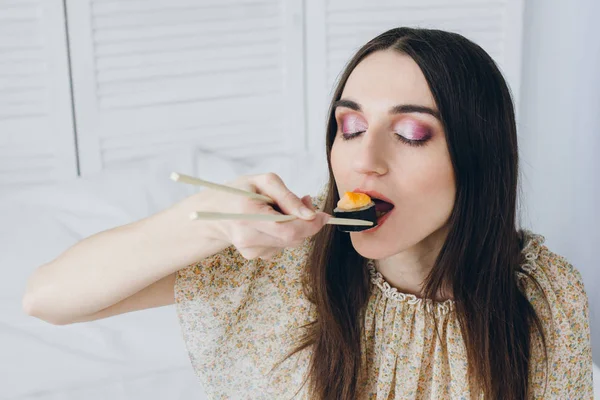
column 366, row 213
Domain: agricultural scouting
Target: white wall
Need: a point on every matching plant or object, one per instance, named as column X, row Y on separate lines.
column 559, row 122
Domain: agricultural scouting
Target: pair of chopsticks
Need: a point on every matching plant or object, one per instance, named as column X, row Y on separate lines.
column 255, row 217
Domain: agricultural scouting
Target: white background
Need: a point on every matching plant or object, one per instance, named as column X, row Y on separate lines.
column 559, row 130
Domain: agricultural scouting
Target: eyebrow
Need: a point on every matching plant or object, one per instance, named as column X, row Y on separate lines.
column 398, row 109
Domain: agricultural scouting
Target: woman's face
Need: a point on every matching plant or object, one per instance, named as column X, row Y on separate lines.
column 399, row 149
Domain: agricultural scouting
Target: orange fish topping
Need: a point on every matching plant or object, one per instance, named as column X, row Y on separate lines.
column 353, row 200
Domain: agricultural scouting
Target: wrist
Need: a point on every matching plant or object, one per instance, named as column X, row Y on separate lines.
column 208, row 229
column 182, row 240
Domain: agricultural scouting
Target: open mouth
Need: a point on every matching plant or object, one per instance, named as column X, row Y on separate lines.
column 382, row 207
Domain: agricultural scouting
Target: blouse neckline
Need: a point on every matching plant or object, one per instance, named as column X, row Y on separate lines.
column 440, row 307
column 530, row 251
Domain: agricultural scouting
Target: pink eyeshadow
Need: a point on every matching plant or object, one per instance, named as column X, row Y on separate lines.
column 412, row 130
column 353, row 123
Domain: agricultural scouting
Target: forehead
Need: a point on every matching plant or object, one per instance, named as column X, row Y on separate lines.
column 386, row 78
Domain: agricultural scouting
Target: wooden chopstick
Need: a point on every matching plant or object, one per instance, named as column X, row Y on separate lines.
column 277, row 218
column 201, row 182
column 177, row 177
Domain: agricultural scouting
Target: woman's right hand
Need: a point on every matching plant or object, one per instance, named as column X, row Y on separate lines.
column 264, row 239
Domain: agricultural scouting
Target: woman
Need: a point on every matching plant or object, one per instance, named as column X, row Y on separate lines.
column 444, row 299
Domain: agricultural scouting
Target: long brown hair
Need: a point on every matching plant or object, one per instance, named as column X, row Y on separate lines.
column 481, row 253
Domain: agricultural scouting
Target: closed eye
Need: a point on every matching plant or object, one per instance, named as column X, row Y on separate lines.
column 410, row 142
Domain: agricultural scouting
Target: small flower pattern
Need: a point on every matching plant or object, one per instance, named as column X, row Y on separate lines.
column 239, row 317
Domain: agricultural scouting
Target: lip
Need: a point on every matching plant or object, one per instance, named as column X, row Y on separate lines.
column 373, row 193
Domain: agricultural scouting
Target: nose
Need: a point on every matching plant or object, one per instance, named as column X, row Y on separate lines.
column 370, row 155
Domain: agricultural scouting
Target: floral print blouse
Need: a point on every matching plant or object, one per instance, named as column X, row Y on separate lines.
column 238, row 318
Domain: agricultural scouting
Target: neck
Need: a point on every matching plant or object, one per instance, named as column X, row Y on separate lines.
column 407, row 270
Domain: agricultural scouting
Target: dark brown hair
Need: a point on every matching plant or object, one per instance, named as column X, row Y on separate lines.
column 481, row 253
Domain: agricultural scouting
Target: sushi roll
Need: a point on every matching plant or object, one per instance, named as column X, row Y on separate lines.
column 357, row 206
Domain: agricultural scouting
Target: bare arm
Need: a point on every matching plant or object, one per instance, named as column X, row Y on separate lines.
column 160, row 293
column 133, row 266
column 126, row 268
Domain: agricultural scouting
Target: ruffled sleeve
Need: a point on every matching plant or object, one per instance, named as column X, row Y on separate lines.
column 565, row 318
column 213, row 288
column 238, row 318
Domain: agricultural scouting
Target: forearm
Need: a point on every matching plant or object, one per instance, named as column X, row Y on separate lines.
column 110, row 266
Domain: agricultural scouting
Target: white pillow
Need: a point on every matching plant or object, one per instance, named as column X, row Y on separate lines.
column 131, row 191
column 38, row 224
column 302, row 173
column 217, row 168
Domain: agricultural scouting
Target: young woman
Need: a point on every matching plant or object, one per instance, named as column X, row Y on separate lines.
column 444, row 299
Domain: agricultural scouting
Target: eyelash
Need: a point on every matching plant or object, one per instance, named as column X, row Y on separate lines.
column 415, row 143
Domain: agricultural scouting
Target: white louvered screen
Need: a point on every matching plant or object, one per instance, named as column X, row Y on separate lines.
column 337, row 28
column 37, row 142
column 223, row 75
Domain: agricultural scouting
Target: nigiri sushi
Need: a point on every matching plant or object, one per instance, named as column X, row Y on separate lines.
column 357, row 206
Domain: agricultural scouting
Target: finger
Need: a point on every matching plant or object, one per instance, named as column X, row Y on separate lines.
column 307, row 201
column 308, row 228
column 273, row 232
column 271, row 185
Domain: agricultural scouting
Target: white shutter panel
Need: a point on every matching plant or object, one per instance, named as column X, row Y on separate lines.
column 222, row 75
column 337, row 28
column 37, row 142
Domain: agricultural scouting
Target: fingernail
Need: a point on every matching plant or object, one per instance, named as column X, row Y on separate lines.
column 306, row 213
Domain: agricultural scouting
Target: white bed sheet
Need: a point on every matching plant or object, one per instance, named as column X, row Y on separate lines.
column 172, row 384
column 105, row 357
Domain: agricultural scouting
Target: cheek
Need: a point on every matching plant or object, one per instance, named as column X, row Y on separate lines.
column 440, row 178
column 441, row 191
column 431, row 180
column 439, row 186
